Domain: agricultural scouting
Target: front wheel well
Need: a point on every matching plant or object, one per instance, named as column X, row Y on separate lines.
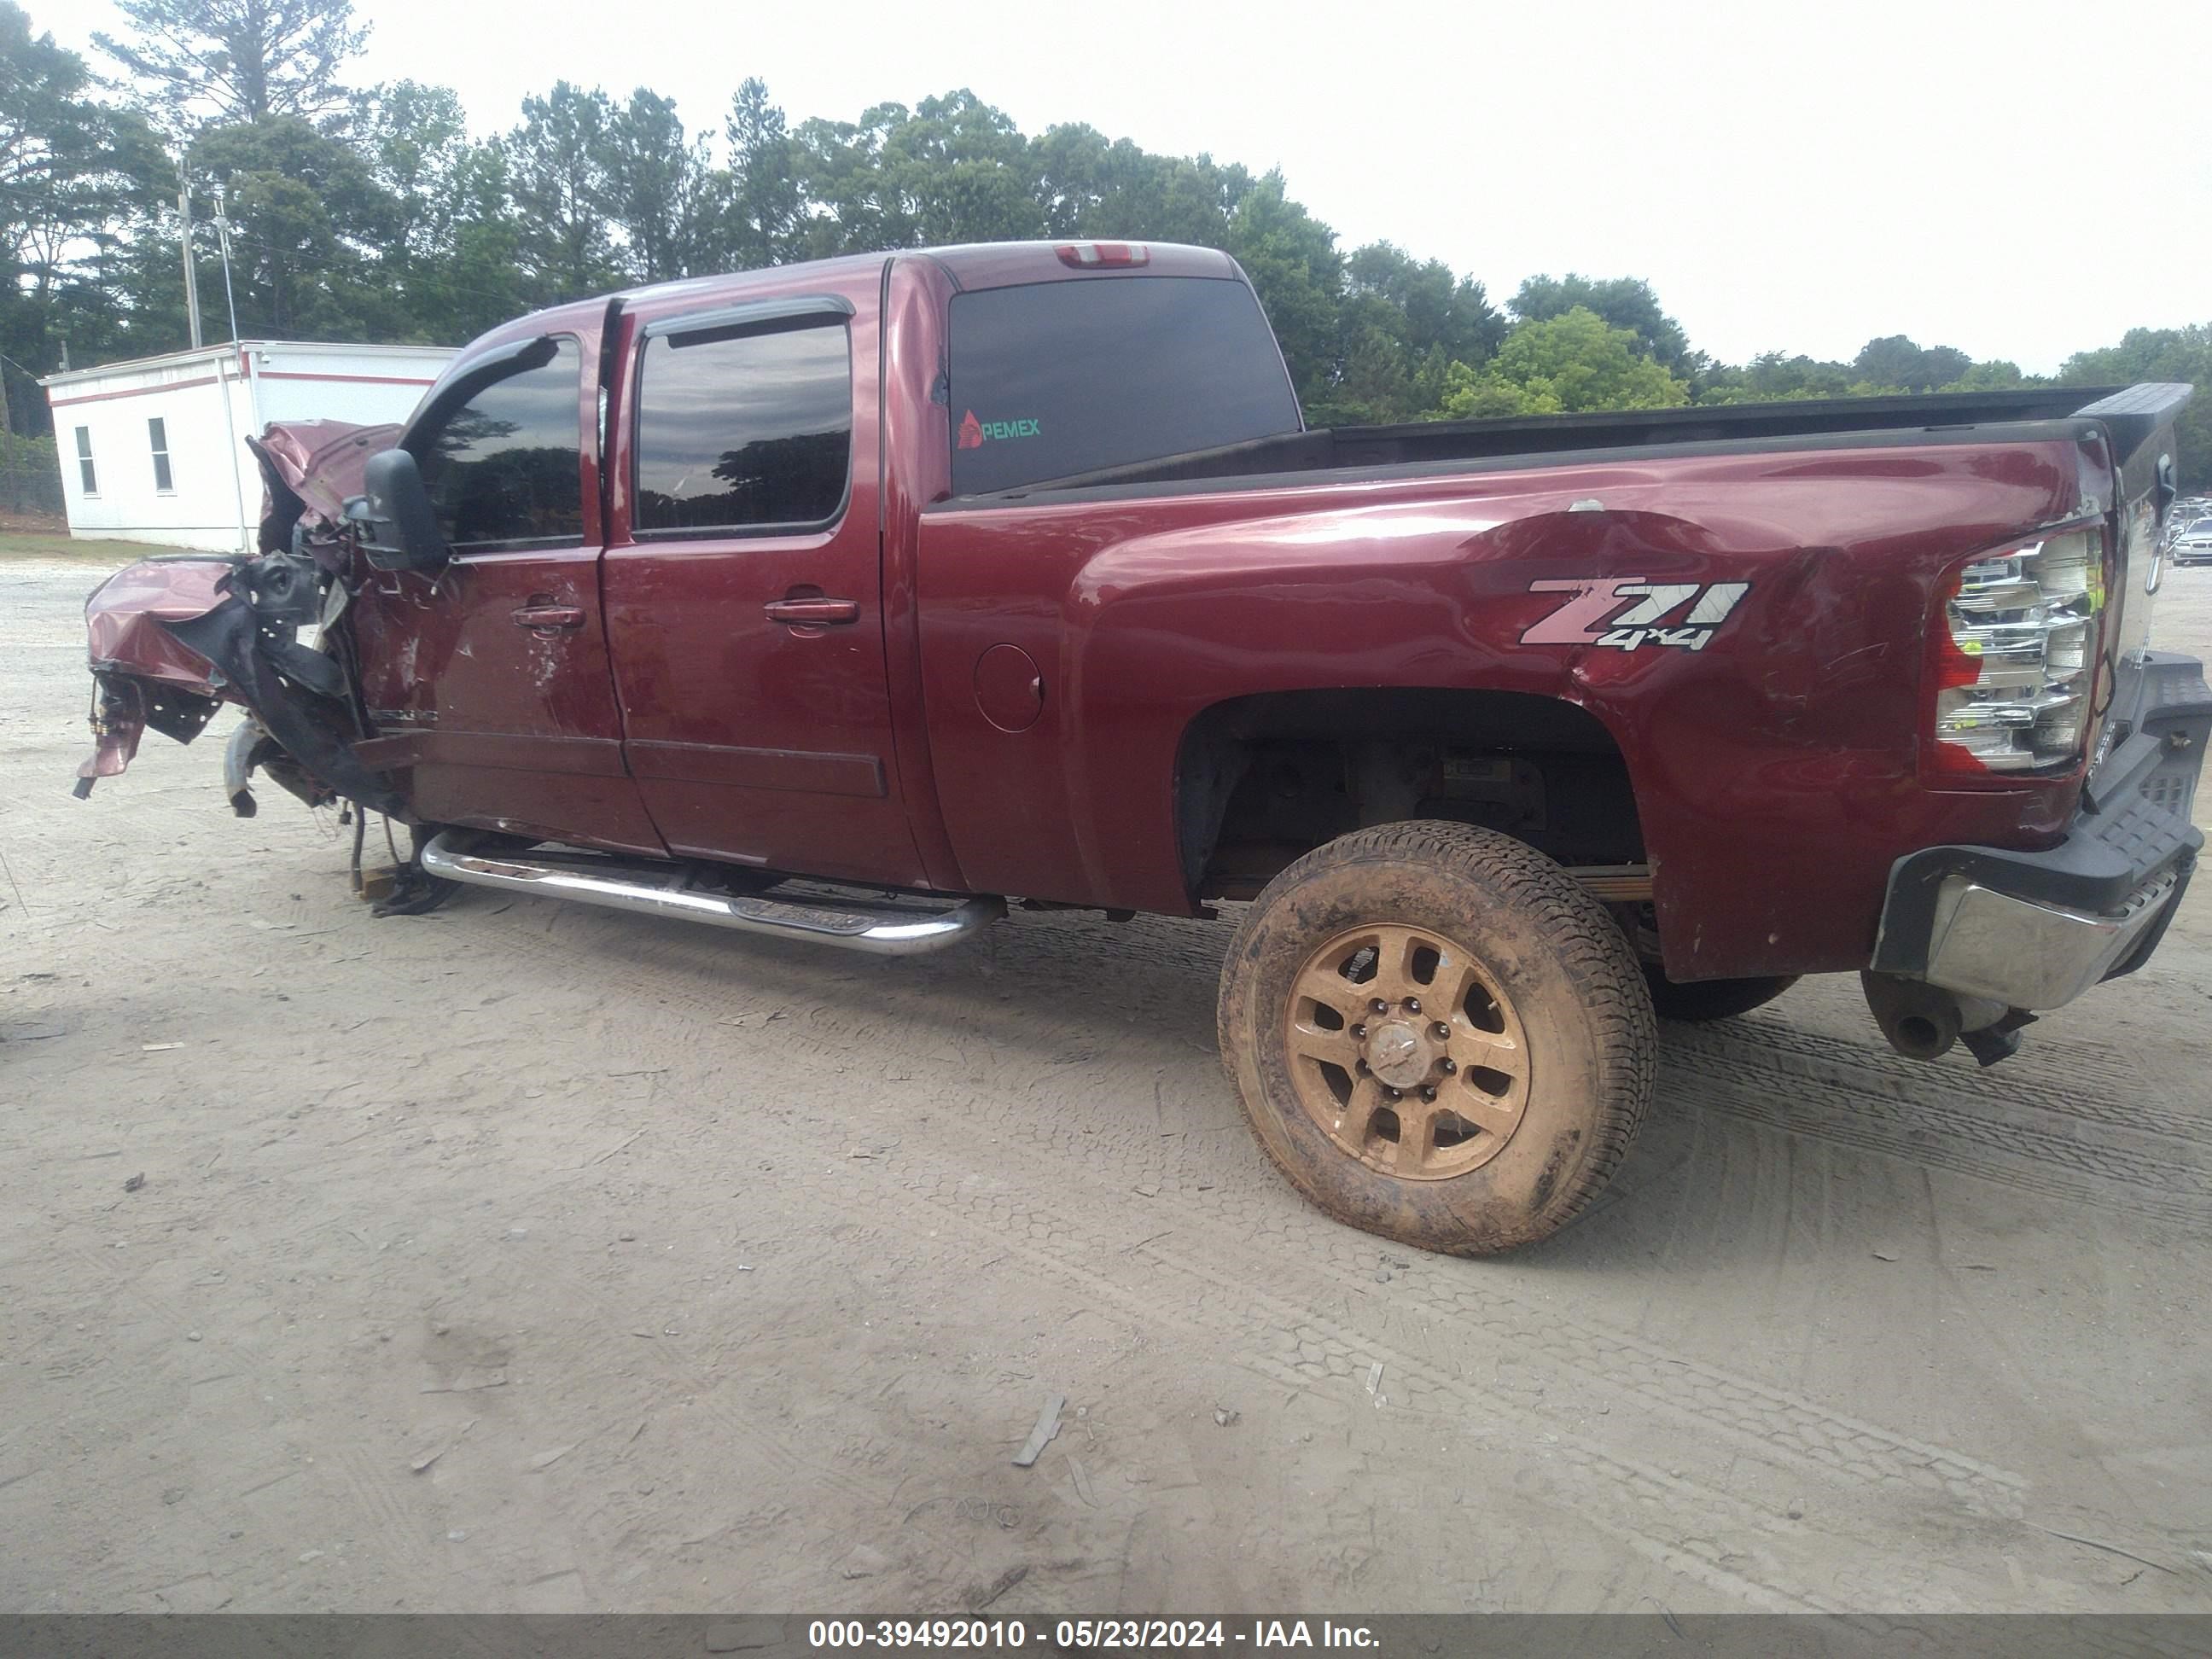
column 1262, row 781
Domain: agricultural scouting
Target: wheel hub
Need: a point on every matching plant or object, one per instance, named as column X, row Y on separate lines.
column 1407, row 1052
column 1400, row 1054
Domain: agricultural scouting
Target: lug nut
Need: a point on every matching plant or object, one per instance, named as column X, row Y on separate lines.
column 1392, row 1094
column 1413, row 1005
column 1448, row 1066
column 1361, row 1066
column 1378, row 1006
column 1360, row 1031
column 1427, row 1092
column 1442, row 1030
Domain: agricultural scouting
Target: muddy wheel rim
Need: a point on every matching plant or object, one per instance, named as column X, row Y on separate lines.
column 1407, row 1052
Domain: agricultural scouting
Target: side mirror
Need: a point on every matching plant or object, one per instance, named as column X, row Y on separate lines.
column 398, row 531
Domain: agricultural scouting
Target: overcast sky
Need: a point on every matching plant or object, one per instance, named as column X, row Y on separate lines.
column 2018, row 180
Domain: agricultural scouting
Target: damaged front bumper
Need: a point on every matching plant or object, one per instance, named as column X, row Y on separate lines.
column 172, row 639
column 2029, row 932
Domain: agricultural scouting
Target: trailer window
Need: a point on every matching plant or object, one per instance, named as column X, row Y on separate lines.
column 1055, row 378
column 505, row 469
column 157, row 435
column 748, row 432
column 85, row 476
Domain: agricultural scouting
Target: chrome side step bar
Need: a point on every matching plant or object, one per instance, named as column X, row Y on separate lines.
column 590, row 879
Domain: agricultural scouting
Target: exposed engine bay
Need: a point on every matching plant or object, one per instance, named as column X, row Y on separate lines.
column 173, row 638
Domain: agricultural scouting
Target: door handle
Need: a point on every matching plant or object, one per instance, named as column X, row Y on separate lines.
column 813, row 613
column 548, row 618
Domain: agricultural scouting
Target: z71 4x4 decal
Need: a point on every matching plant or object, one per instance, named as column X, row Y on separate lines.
column 1628, row 613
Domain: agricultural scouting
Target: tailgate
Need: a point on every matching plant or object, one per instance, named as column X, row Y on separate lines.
column 2151, row 690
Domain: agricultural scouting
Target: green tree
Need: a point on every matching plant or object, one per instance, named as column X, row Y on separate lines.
column 1403, row 323
column 558, row 175
column 1994, row 375
column 664, row 193
column 308, row 218
column 1115, row 190
column 1570, row 363
column 1291, row 258
column 74, row 176
column 1895, row 360
column 952, row 169
column 1773, row 377
column 2161, row 354
column 1623, row 302
column 762, row 201
column 236, row 60
column 450, row 255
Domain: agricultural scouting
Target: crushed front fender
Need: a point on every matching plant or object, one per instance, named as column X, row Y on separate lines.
column 171, row 638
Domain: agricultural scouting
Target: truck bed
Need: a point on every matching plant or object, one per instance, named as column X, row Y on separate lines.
column 1475, row 445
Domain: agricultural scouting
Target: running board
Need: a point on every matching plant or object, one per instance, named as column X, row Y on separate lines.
column 663, row 890
column 1614, row 883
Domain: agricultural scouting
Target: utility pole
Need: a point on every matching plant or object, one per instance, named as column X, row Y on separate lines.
column 191, row 278
column 222, row 241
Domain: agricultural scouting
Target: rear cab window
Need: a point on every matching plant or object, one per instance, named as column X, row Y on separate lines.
column 1050, row 380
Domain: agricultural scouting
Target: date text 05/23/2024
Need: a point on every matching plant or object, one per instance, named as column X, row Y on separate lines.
column 1088, row 1635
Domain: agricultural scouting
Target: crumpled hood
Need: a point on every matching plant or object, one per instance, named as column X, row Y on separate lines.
column 321, row 461
column 121, row 615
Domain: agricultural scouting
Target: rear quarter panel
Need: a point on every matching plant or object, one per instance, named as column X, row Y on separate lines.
column 1775, row 771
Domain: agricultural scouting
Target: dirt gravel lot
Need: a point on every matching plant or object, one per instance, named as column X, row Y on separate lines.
column 529, row 1257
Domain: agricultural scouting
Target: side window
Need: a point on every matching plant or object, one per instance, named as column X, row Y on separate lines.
column 503, row 469
column 85, row 476
column 157, row 435
column 743, row 431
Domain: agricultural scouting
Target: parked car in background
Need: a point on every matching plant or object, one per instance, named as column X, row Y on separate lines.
column 2193, row 545
column 845, row 602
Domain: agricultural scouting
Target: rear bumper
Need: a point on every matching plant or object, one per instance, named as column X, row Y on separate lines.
column 2035, row 930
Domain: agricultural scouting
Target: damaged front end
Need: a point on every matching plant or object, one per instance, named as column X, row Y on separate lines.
column 173, row 638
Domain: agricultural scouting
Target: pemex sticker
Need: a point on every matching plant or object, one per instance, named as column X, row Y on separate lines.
column 973, row 432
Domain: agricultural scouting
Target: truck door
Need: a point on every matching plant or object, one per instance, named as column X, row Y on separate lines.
column 743, row 581
column 489, row 681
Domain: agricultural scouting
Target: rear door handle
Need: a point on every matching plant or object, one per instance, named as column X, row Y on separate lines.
column 550, row 617
column 813, row 613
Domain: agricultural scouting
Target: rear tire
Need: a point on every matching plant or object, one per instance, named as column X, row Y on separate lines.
column 1488, row 1116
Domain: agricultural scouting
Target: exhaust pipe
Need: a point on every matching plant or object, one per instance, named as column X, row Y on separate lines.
column 663, row 891
column 1925, row 1021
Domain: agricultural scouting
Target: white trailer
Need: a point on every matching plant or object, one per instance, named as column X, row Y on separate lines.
column 153, row 449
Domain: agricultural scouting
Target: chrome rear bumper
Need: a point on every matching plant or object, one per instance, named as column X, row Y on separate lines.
column 1985, row 943
column 2032, row 931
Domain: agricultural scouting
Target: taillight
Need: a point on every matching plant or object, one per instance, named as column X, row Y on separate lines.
column 2015, row 656
column 1087, row 256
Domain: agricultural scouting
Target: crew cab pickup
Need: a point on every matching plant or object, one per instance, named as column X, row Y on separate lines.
column 846, row 602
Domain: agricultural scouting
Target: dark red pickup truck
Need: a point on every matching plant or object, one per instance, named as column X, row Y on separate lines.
column 843, row 601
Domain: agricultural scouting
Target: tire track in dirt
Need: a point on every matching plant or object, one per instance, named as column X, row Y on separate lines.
column 2067, row 1079
column 351, row 1481
column 1212, row 1307
column 1733, row 1546
column 1770, row 1423
column 702, row 1389
column 2006, row 1148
